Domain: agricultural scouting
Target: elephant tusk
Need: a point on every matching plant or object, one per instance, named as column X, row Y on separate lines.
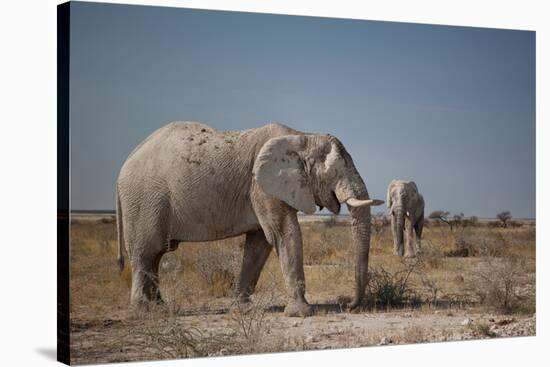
column 356, row 202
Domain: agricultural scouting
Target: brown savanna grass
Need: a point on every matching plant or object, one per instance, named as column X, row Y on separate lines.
column 203, row 275
column 485, row 267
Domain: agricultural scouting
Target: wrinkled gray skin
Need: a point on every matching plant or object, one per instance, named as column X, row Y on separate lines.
column 190, row 182
column 406, row 206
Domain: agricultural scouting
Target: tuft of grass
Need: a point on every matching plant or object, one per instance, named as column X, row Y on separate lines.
column 164, row 335
column 388, row 289
column 249, row 322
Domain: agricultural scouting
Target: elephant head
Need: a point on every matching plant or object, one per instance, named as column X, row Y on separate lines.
column 308, row 170
column 402, row 199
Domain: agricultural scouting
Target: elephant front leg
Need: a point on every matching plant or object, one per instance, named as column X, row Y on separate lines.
column 410, row 247
column 290, row 252
column 256, row 252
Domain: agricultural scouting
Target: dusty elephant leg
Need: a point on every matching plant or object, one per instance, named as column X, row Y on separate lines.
column 155, row 279
column 145, row 281
column 418, row 230
column 410, row 246
column 141, row 283
column 291, row 258
column 256, row 252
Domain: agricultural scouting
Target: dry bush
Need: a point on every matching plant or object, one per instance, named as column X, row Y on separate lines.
column 167, row 339
column 497, row 283
column 249, row 321
column 390, row 289
column 432, row 286
column 430, row 258
column 163, row 336
column 479, row 243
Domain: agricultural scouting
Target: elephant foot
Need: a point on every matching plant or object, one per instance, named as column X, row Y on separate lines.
column 242, row 305
column 158, row 301
column 241, row 308
column 243, row 299
column 355, row 307
column 410, row 255
column 141, row 307
column 298, row 309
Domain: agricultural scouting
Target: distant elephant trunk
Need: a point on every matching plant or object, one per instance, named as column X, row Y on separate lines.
column 399, row 214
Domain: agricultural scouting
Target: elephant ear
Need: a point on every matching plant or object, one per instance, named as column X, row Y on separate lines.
column 412, row 184
column 279, row 171
column 388, row 196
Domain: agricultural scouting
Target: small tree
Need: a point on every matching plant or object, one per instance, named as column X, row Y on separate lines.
column 442, row 217
column 504, row 217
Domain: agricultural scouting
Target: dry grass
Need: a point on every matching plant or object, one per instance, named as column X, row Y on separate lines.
column 200, row 277
column 500, row 285
column 199, row 273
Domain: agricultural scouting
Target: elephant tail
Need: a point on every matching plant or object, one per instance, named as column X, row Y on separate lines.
column 120, row 257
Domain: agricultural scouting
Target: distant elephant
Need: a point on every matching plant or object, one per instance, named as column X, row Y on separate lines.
column 406, row 206
column 191, row 182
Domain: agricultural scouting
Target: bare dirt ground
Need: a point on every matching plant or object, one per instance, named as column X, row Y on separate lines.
column 115, row 340
column 473, row 282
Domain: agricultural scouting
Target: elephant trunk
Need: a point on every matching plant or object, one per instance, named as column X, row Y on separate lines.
column 399, row 214
column 360, row 229
column 354, row 187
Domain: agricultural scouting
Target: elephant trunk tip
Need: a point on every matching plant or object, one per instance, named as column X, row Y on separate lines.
column 120, row 262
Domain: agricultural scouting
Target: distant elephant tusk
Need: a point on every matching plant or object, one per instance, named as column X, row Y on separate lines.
column 356, row 202
column 408, row 214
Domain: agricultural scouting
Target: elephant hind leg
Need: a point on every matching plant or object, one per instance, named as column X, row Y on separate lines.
column 410, row 246
column 256, row 252
column 155, row 279
column 419, row 225
column 148, row 240
column 145, row 281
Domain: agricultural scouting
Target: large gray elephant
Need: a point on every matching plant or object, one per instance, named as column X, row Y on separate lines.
column 190, row 182
column 406, row 206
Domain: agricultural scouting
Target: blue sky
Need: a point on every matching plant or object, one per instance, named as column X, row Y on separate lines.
column 452, row 108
